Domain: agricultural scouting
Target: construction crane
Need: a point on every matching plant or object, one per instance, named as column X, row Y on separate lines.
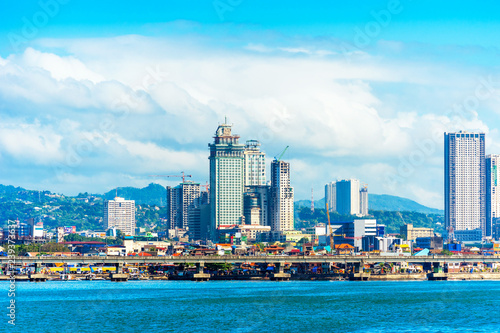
column 329, row 228
column 207, row 187
column 183, row 176
column 277, row 159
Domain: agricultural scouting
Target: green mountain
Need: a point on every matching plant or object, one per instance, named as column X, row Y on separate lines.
column 153, row 194
column 393, row 203
column 381, row 202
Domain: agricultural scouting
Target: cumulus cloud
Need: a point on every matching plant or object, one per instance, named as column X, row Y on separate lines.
column 138, row 105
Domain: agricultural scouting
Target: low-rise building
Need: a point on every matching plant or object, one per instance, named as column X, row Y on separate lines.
column 411, row 233
column 431, row 243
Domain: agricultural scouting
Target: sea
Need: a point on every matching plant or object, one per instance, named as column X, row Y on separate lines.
column 239, row 306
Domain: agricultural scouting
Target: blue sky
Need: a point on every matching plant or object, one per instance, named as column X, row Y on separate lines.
column 98, row 94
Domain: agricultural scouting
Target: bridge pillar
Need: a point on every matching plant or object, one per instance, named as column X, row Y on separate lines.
column 38, row 267
column 357, row 273
column 279, row 274
column 119, row 267
column 200, row 275
column 118, row 276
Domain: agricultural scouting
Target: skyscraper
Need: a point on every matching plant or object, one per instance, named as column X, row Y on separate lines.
column 465, row 185
column 348, row 194
column 331, row 196
column 255, row 164
column 281, row 210
column 120, row 213
column 363, row 200
column 226, row 179
column 180, row 200
column 492, row 196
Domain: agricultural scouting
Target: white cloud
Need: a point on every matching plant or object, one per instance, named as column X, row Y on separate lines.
column 59, row 67
column 156, row 102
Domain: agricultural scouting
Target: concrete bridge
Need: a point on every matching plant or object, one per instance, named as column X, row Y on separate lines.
column 355, row 262
column 113, row 260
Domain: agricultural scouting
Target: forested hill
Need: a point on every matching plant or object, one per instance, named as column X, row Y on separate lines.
column 153, row 194
column 383, row 202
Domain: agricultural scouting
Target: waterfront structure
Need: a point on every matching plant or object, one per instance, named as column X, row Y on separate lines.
column 465, row 185
column 348, row 195
column 254, row 164
column 281, row 210
column 411, row 233
column 363, row 200
column 226, row 179
column 180, row 200
column 120, row 213
column 331, row 196
column 492, row 196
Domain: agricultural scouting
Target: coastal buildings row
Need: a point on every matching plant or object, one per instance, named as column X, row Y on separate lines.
column 347, row 197
column 472, row 200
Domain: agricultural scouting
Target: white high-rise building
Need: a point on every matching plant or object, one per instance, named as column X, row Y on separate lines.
column 281, row 210
column 255, row 164
column 493, row 196
column 331, row 196
column 120, row 213
column 226, row 179
column 348, row 196
column 363, row 200
column 465, row 185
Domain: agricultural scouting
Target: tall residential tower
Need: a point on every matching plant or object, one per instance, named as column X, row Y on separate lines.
column 492, row 196
column 465, row 185
column 281, row 210
column 331, row 196
column 180, row 200
column 255, row 164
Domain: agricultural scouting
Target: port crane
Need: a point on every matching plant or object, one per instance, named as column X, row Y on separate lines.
column 183, row 176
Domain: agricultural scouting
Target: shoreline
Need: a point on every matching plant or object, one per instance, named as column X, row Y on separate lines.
column 293, row 277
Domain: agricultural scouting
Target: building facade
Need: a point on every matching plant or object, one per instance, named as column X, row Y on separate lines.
column 465, row 185
column 180, row 200
column 411, row 233
column 257, row 200
column 331, row 196
column 226, row 179
column 347, row 192
column 281, row 210
column 363, row 201
column 254, row 164
column 120, row 213
column 492, row 195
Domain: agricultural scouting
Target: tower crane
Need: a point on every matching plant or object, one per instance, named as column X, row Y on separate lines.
column 183, row 176
column 329, row 228
column 207, row 187
column 278, row 158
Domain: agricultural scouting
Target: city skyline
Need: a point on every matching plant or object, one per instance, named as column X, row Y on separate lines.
column 364, row 94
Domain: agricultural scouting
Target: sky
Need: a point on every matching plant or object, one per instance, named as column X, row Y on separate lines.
column 100, row 94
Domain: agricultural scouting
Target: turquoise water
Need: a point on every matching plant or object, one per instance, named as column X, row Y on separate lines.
column 298, row 306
